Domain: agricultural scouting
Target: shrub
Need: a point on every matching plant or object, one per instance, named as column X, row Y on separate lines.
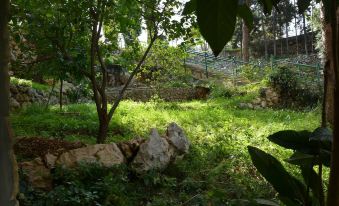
column 296, row 87
column 254, row 73
column 220, row 90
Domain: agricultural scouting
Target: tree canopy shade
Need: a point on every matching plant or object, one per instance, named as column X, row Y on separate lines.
column 217, row 20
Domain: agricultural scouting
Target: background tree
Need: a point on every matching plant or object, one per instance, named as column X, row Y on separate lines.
column 246, row 39
column 157, row 13
column 8, row 172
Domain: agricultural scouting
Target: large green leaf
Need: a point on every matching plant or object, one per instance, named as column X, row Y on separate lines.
column 190, row 7
column 295, row 140
column 325, row 157
column 311, row 179
column 299, row 158
column 246, row 14
column 216, row 20
column 323, row 137
column 289, row 188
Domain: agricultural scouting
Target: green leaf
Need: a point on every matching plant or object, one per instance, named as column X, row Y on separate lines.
column 295, row 140
column 216, row 20
column 246, row 14
column 325, row 157
column 289, row 188
column 299, row 158
column 311, row 179
column 323, row 137
column 190, row 7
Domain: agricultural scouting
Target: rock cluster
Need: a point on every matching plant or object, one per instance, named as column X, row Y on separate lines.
column 156, row 153
column 168, row 94
column 23, row 95
column 267, row 98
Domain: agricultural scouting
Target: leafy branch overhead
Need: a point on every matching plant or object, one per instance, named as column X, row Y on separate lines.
column 217, row 18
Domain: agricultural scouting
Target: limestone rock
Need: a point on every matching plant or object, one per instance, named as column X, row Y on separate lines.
column 107, row 155
column 37, row 174
column 177, row 138
column 50, row 160
column 130, row 148
column 242, row 105
column 155, row 153
column 13, row 89
column 14, row 104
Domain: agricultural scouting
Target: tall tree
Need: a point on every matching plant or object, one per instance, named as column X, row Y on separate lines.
column 158, row 14
column 246, row 39
column 8, row 171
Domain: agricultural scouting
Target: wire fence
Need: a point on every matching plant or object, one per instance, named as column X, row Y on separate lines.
column 231, row 66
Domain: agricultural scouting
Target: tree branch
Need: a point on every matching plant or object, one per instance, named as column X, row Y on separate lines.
column 135, row 71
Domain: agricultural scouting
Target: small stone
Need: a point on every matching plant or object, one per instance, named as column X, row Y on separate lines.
column 242, row 105
column 13, row 89
column 263, row 104
column 249, row 105
column 14, row 104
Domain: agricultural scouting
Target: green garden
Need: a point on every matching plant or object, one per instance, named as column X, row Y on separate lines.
column 169, row 103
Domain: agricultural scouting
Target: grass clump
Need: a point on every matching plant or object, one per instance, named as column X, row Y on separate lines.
column 28, row 83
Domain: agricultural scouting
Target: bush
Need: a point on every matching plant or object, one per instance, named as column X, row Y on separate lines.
column 296, row 87
column 254, row 73
column 88, row 185
column 221, row 90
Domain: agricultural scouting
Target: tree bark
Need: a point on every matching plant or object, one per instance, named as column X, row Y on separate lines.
column 296, row 30
column 103, row 128
column 61, row 94
column 245, row 39
column 274, row 34
column 265, row 40
column 305, row 34
column 8, row 171
column 333, row 197
column 287, row 46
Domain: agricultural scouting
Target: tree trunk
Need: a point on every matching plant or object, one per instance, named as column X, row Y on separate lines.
column 61, row 94
column 296, row 30
column 329, row 76
column 245, row 40
column 8, row 171
column 333, row 197
column 274, row 34
column 286, row 30
column 305, row 34
column 103, row 128
column 265, row 40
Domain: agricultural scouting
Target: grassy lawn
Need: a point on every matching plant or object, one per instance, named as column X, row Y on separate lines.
column 217, row 169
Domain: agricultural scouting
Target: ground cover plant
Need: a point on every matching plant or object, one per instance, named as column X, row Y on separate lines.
column 217, row 170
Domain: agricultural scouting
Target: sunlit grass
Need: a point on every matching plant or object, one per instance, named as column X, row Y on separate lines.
column 218, row 130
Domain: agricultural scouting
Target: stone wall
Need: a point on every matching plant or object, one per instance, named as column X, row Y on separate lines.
column 25, row 95
column 22, row 95
column 168, row 94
